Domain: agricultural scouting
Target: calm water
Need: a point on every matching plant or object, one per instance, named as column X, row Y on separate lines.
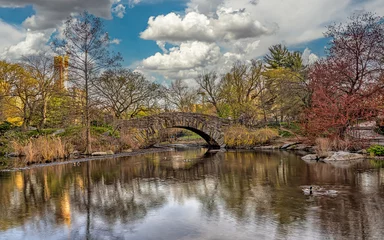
column 232, row 195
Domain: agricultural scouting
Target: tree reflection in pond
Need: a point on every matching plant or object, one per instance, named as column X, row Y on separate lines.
column 192, row 195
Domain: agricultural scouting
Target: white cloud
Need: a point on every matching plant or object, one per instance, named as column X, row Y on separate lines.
column 229, row 25
column 119, row 10
column 10, row 35
column 242, row 29
column 33, row 43
column 49, row 15
column 132, row 3
column 203, row 6
column 308, row 57
column 161, row 45
column 188, row 56
column 115, row 41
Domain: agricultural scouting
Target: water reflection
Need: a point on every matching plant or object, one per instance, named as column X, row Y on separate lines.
column 193, row 195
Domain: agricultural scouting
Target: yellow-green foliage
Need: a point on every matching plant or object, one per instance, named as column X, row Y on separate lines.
column 240, row 136
column 42, row 149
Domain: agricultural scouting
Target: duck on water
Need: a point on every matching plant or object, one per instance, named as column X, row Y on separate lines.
column 319, row 191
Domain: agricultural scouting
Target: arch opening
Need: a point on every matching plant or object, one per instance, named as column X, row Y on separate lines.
column 210, row 141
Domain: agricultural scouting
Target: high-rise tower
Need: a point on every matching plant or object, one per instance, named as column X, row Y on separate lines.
column 61, row 71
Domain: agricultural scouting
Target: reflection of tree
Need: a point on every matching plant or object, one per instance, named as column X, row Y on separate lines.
column 246, row 186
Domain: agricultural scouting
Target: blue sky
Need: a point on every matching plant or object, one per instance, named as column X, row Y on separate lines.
column 177, row 39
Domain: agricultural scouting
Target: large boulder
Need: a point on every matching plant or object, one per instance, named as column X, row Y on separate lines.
column 344, row 156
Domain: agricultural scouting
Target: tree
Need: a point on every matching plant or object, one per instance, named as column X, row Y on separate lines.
column 348, row 85
column 41, row 69
column 210, row 85
column 21, row 91
column 123, row 91
column 241, row 87
column 278, row 56
column 86, row 44
column 181, row 96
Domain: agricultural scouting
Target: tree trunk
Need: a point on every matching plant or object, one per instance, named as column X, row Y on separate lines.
column 88, row 149
column 43, row 114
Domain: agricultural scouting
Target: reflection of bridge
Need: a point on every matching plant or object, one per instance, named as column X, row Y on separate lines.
column 210, row 128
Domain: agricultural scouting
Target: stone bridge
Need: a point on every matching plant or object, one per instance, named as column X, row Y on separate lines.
column 210, row 128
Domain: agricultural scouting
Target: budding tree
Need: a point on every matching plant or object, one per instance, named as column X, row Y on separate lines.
column 86, row 43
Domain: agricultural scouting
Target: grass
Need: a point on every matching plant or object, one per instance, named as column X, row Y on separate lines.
column 42, row 149
column 323, row 146
column 242, row 137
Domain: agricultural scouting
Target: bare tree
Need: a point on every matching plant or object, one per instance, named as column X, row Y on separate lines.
column 40, row 67
column 86, row 44
column 123, row 91
column 210, row 84
column 181, row 96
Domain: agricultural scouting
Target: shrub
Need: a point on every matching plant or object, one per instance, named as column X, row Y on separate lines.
column 240, row 136
column 376, row 150
column 5, row 126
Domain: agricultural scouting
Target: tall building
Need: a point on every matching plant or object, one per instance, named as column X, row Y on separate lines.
column 61, row 71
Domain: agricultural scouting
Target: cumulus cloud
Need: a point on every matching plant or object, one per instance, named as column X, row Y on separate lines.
column 33, row 43
column 50, row 13
column 203, row 6
column 188, row 55
column 308, row 57
column 244, row 29
column 11, row 35
column 119, row 10
column 229, row 25
column 115, row 41
column 132, row 3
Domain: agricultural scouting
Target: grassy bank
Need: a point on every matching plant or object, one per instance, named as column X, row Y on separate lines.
column 242, row 137
column 59, row 144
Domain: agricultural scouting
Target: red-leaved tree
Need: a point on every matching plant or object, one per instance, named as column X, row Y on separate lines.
column 348, row 85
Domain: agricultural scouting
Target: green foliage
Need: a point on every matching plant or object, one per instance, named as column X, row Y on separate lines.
column 284, row 133
column 108, row 130
column 376, row 150
column 5, row 126
column 242, row 137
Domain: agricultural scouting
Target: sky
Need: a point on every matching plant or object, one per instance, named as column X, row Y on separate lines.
column 178, row 39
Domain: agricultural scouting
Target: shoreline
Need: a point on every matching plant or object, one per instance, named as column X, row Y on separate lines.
column 91, row 158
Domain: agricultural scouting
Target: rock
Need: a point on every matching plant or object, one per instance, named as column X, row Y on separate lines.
column 76, row 153
column 344, row 156
column 99, row 154
column 310, row 157
column 287, row 145
column 58, row 131
column 13, row 154
column 110, row 152
column 363, row 151
column 127, row 151
column 303, row 147
column 265, row 147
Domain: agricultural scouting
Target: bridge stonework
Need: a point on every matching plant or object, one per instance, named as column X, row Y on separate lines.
column 210, row 128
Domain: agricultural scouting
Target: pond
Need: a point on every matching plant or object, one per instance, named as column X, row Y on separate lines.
column 194, row 194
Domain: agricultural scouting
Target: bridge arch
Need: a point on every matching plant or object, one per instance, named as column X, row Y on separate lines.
column 210, row 128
